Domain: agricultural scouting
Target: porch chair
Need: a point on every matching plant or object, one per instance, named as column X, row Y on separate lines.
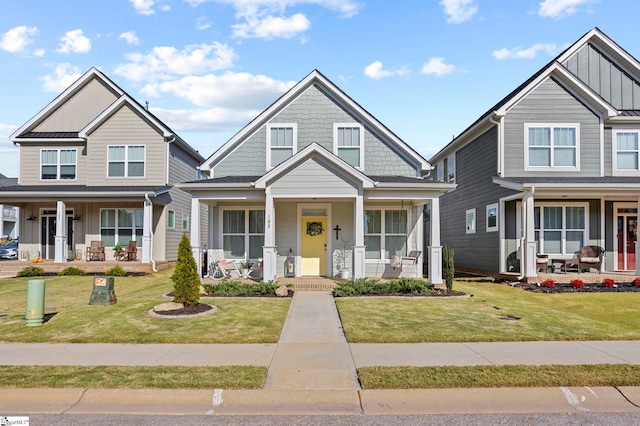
column 256, row 269
column 131, row 251
column 220, row 267
column 409, row 260
column 590, row 257
column 542, row 262
column 95, row 251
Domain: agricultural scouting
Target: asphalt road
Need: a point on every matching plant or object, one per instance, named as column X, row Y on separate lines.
column 612, row 419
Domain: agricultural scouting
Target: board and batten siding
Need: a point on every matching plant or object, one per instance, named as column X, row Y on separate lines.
column 315, row 112
column 476, row 165
column 30, row 167
column 126, row 127
column 606, row 78
column 547, row 104
column 313, row 178
column 80, row 109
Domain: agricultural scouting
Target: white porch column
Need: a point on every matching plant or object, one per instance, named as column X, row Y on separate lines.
column 61, row 233
column 435, row 249
column 359, row 247
column 419, row 238
column 147, row 218
column 637, row 244
column 194, row 236
column 269, row 250
column 529, row 248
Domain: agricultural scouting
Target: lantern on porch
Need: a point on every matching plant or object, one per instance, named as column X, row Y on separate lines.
column 290, row 265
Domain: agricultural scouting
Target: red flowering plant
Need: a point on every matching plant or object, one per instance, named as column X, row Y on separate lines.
column 548, row 283
column 636, row 282
column 577, row 283
column 608, row 282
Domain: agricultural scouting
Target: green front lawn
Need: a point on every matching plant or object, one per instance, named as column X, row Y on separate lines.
column 570, row 316
column 73, row 320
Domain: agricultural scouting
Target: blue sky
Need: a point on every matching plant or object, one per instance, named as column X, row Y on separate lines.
column 425, row 68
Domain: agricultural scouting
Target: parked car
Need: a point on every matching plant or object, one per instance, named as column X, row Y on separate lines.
column 9, row 250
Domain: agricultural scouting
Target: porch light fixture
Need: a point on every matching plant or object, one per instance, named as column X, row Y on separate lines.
column 76, row 217
column 32, row 218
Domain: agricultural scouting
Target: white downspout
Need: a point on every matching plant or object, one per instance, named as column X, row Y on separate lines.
column 169, row 142
column 499, row 124
column 153, row 262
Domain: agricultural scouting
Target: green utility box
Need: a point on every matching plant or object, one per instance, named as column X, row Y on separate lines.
column 103, row 291
column 35, row 303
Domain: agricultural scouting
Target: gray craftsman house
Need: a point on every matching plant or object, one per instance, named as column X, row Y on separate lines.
column 97, row 166
column 551, row 168
column 319, row 184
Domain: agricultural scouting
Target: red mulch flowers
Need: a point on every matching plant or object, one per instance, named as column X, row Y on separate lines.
column 608, row 282
column 577, row 283
column 548, row 283
column 636, row 282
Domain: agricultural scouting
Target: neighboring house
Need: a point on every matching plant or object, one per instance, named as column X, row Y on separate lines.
column 312, row 174
column 552, row 167
column 96, row 165
column 9, row 216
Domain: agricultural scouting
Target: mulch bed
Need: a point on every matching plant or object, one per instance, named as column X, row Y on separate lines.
column 187, row 310
column 588, row 288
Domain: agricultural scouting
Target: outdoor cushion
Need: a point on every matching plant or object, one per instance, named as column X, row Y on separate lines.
column 590, row 259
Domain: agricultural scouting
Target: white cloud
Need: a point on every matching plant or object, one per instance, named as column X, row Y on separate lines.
column 39, row 53
column 17, row 39
column 458, row 11
column 129, row 37
column 64, row 75
column 213, row 119
column 558, row 9
column 143, row 7
column 5, row 127
column 271, row 26
column 526, row 53
column 437, row 67
column 74, row 42
column 375, row 71
column 202, row 23
column 237, row 91
column 165, row 61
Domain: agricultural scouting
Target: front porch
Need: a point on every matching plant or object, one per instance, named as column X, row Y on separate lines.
column 565, row 278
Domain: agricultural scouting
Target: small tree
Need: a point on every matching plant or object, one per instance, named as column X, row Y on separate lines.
column 448, row 269
column 186, row 279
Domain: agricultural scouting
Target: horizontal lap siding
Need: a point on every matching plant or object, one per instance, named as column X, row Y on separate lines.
column 476, row 164
column 126, row 127
column 30, row 164
column 315, row 113
column 312, row 179
column 548, row 104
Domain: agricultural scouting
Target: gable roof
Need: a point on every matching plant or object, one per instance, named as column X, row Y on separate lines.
column 314, row 77
column 554, row 66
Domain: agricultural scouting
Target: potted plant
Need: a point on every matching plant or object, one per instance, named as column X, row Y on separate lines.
column 244, row 267
column 341, row 257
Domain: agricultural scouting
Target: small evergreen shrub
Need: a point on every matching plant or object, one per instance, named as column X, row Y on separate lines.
column 448, row 270
column 364, row 286
column 236, row 288
column 577, row 283
column 608, row 282
column 72, row 270
column 116, row 271
column 31, row 271
column 548, row 283
column 186, row 277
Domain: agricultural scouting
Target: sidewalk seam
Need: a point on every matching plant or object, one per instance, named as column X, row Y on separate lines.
column 477, row 353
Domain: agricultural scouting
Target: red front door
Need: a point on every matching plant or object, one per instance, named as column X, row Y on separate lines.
column 627, row 236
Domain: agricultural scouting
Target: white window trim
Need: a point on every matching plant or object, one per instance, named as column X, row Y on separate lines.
column 116, row 228
column 336, row 126
column 186, row 219
column 472, row 229
column 247, row 234
column 174, row 219
column 614, row 151
column 126, row 162
column 553, row 168
column 269, row 126
column 492, row 207
column 58, row 164
column 382, row 234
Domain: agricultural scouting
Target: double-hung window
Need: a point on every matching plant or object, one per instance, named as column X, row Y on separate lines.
column 282, row 140
column 126, row 161
column 348, row 143
column 242, row 233
column 626, row 151
column 385, row 233
column 554, row 146
column 121, row 225
column 58, row 164
column 560, row 229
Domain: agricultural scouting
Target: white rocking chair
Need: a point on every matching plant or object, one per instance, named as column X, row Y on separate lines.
column 220, row 267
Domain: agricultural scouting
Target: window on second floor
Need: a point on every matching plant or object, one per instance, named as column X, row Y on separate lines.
column 625, row 156
column 126, row 161
column 348, row 143
column 58, row 164
column 282, row 141
column 554, row 146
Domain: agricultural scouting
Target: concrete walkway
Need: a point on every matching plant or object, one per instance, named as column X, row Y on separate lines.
column 312, row 352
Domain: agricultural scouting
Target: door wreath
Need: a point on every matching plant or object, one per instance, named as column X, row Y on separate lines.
column 314, row 228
